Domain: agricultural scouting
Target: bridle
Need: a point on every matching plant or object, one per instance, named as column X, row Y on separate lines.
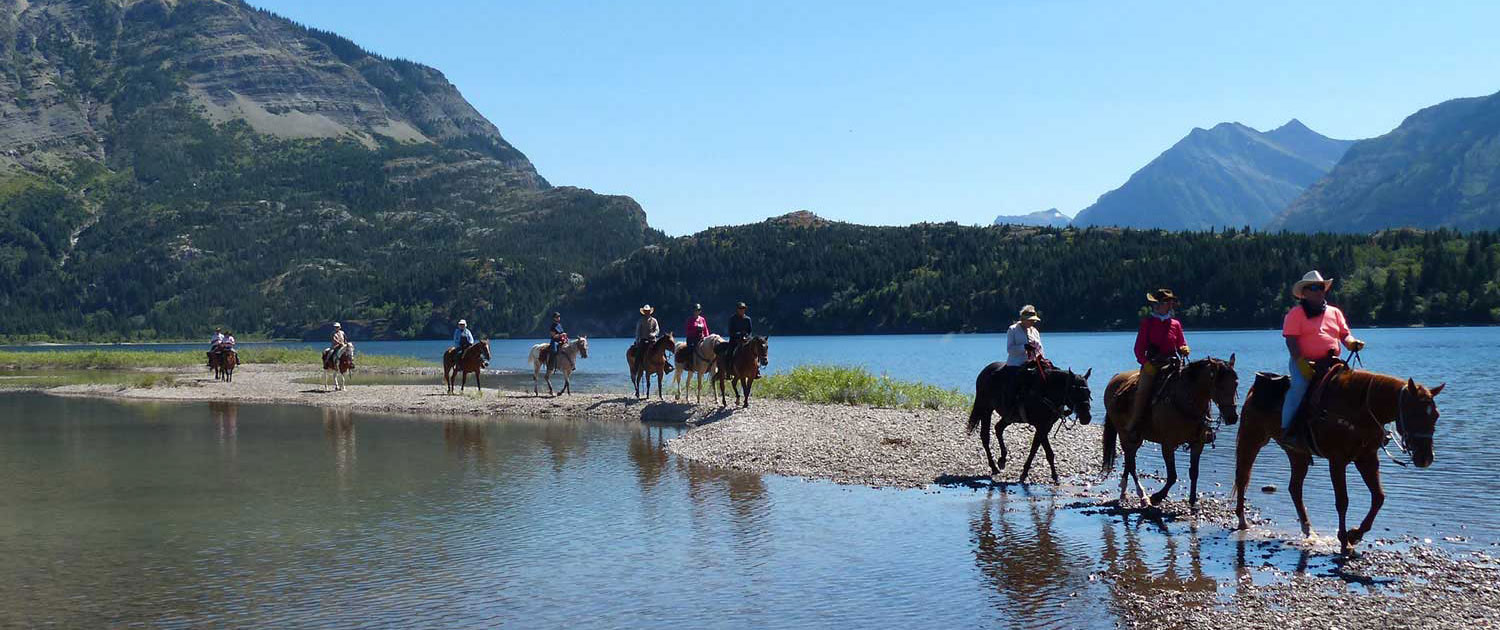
column 1402, row 436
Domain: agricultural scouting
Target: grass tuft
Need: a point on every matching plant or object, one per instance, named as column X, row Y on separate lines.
column 843, row 385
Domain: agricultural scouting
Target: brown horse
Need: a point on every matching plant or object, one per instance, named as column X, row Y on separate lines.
column 743, row 369
column 223, row 364
column 655, row 363
column 339, row 366
column 474, row 359
column 1179, row 416
column 1348, row 425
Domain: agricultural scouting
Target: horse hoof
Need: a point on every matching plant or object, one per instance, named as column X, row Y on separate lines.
column 1156, row 499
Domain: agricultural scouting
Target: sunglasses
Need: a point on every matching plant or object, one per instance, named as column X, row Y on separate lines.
column 1315, row 287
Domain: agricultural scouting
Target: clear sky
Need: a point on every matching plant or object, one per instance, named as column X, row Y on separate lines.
column 719, row 112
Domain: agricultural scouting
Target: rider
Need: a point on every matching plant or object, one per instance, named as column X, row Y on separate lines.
column 1313, row 330
column 740, row 329
column 1023, row 345
column 697, row 330
column 646, row 334
column 558, row 337
column 462, row 337
column 1158, row 342
column 213, row 344
column 227, row 343
column 337, row 345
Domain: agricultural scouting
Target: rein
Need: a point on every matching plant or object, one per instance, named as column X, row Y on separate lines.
column 1400, row 435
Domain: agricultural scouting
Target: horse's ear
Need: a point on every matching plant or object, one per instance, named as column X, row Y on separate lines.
column 1087, row 374
column 1438, row 390
column 1231, row 359
column 1411, row 385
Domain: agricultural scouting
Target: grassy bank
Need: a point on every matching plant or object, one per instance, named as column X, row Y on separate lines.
column 137, row 359
column 841, row 385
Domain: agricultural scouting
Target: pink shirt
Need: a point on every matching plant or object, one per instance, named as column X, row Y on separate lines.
column 1317, row 337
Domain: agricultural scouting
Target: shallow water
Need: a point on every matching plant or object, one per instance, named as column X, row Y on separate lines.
column 259, row 515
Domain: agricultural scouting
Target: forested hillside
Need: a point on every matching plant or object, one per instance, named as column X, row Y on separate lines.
column 812, row 276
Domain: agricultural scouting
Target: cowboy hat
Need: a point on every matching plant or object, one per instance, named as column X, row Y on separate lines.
column 1311, row 278
column 740, row 305
column 1028, row 313
column 1161, row 295
column 463, row 322
column 647, row 310
column 336, row 325
column 697, row 307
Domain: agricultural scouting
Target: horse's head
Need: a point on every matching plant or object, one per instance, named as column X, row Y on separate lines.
column 484, row 351
column 1416, row 420
column 666, row 342
column 1218, row 378
column 583, row 347
column 1078, row 395
column 761, row 348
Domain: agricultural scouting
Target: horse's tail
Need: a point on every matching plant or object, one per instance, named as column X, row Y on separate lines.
column 982, row 411
column 1109, row 444
column 978, row 414
column 534, row 357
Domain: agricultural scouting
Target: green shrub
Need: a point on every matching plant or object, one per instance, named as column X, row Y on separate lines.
column 843, row 385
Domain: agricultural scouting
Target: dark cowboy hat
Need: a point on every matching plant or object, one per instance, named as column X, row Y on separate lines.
column 740, row 305
column 1161, row 295
column 556, row 314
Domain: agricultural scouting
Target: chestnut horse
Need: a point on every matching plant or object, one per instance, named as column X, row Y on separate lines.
column 1054, row 395
column 340, row 366
column 743, row 370
column 1348, row 425
column 474, row 359
column 568, row 355
column 1179, row 415
column 223, row 363
column 655, row 363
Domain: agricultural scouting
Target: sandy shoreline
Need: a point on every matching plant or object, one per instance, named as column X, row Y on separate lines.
column 1428, row 587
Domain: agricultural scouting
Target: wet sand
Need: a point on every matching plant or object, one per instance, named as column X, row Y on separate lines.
column 1414, row 583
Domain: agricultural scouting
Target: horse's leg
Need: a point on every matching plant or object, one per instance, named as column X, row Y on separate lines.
column 1247, row 447
column 1197, row 452
column 1051, row 458
column 749, row 384
column 1336, row 470
column 1000, row 438
column 984, row 438
column 549, row 382
column 536, row 389
column 478, row 387
column 660, row 376
column 1369, row 469
column 1130, row 452
column 1169, row 457
column 1299, row 464
column 1036, row 443
column 1127, row 470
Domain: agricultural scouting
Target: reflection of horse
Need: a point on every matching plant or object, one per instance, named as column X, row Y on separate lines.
column 1054, row 394
column 1022, row 556
column 655, row 363
column 1347, row 424
column 474, row 359
column 338, row 427
column 701, row 362
column 465, row 438
column 339, row 366
column 567, row 361
column 223, row 362
column 742, row 368
column 1179, row 415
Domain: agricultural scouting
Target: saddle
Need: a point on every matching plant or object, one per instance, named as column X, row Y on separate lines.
column 1167, row 373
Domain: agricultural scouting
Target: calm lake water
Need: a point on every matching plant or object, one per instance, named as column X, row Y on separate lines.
column 201, row 514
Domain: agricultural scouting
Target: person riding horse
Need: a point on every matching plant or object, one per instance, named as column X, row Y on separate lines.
column 697, row 331
column 1023, row 346
column 337, row 343
column 557, row 338
column 213, row 344
column 1158, row 343
column 741, row 327
column 646, row 334
column 462, row 337
column 1313, row 330
column 226, row 344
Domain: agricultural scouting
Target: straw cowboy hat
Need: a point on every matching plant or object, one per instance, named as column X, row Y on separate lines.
column 647, row 310
column 1312, row 278
column 337, row 325
column 1161, row 295
column 463, row 322
column 1028, row 314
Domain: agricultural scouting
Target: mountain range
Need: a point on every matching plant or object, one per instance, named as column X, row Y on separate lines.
column 1228, row 176
column 1042, row 218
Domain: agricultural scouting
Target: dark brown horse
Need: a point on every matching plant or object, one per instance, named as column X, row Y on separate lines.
column 1348, row 425
column 1054, row 395
column 223, row 363
column 743, row 369
column 654, row 363
column 474, row 359
column 1179, row 416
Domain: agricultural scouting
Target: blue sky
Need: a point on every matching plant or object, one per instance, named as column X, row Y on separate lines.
column 712, row 113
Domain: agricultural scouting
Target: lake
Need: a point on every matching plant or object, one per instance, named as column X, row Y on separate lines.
column 214, row 514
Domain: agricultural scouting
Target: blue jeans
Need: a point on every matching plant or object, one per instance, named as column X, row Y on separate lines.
column 1293, row 395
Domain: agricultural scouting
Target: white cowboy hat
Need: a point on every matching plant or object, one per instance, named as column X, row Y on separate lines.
column 463, row 322
column 336, row 325
column 1028, row 313
column 647, row 309
column 1312, row 277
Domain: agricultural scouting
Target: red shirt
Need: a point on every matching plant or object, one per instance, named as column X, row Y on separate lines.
column 1158, row 338
column 697, row 328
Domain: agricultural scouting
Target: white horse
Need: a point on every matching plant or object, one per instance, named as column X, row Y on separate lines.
column 702, row 362
column 338, row 366
column 567, row 361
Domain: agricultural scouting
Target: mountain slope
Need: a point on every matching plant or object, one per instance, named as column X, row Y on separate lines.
column 1043, row 218
column 1227, row 176
column 167, row 165
column 1439, row 168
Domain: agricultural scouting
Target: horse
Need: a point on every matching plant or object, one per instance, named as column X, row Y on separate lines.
column 743, row 369
column 340, row 366
column 223, row 363
column 1057, row 395
column 474, row 359
column 655, row 363
column 1179, row 416
column 570, row 352
column 1354, row 408
column 699, row 363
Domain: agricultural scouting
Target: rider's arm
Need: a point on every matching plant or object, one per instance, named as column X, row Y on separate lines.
column 1291, row 330
column 1141, row 342
column 1346, row 336
column 1293, row 348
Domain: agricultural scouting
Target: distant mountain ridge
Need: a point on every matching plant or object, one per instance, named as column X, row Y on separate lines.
column 1227, row 176
column 1439, row 168
column 1050, row 217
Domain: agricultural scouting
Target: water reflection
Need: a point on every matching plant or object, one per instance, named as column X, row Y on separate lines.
column 338, row 428
column 1142, row 562
column 1022, row 556
column 465, row 440
column 648, row 451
